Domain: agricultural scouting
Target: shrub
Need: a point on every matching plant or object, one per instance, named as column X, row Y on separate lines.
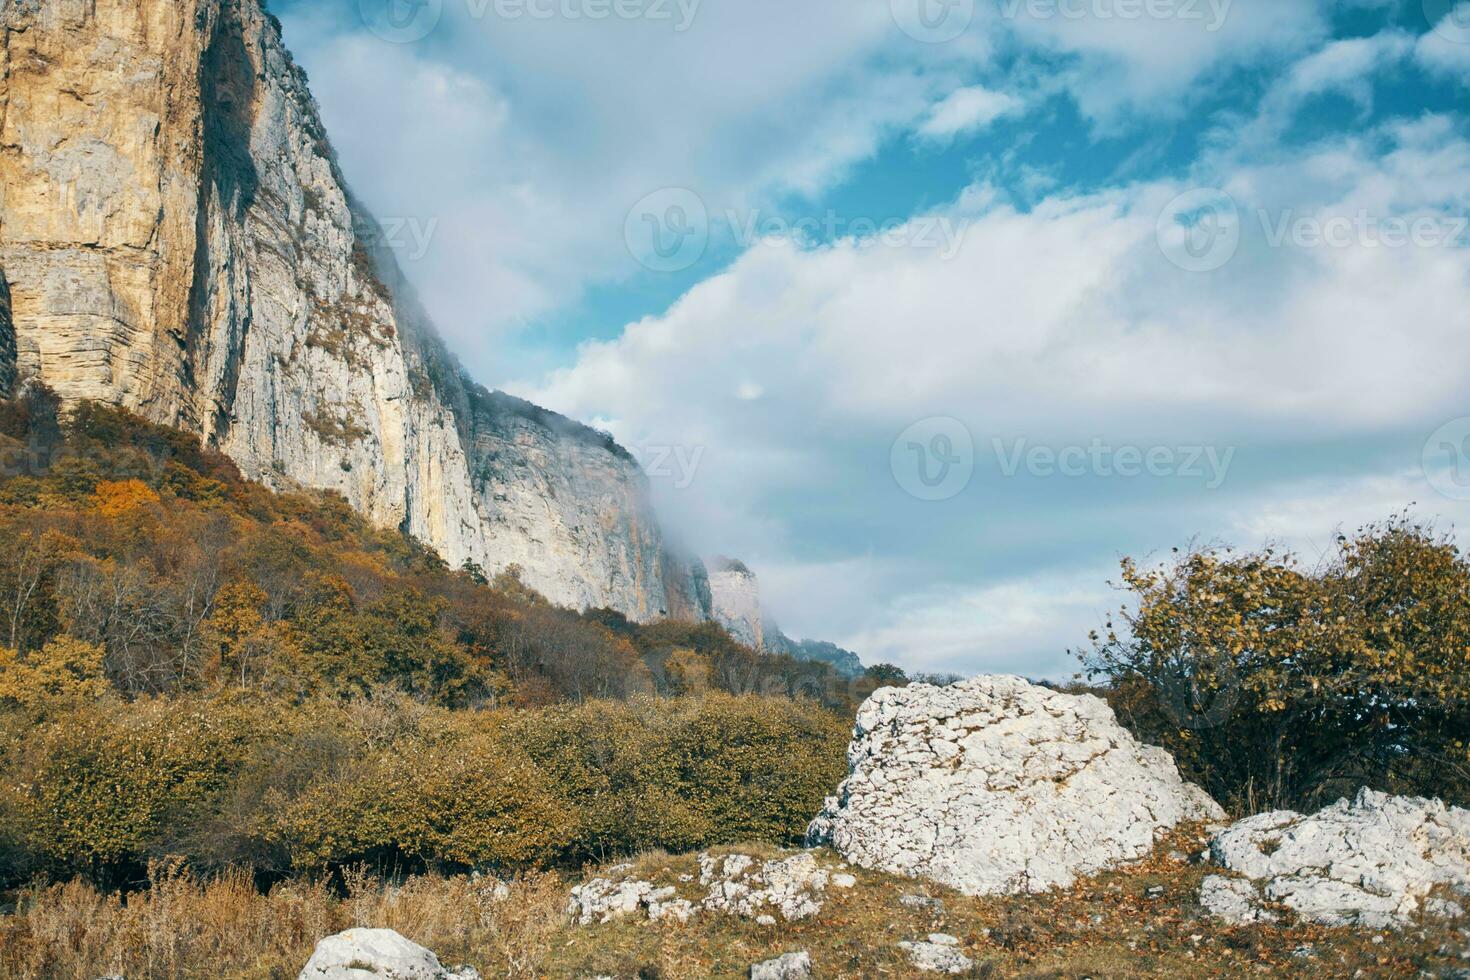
column 1279, row 686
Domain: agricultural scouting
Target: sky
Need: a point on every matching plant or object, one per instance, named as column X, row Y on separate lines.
column 932, row 310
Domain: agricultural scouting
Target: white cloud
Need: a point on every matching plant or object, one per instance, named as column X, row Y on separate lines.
column 528, row 141
column 1060, row 323
column 1446, row 52
column 967, row 110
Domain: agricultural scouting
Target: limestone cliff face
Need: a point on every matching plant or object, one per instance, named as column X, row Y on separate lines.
column 736, row 596
column 178, row 239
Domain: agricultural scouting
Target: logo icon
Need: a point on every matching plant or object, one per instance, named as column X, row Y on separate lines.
column 933, row 21
column 1447, row 460
column 401, row 21
column 668, row 231
column 1450, row 19
column 934, row 459
column 1199, row 231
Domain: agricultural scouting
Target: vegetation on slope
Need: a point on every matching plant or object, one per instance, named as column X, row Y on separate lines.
column 191, row 665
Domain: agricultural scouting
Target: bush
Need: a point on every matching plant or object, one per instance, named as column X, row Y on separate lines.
column 1278, row 686
column 280, row 787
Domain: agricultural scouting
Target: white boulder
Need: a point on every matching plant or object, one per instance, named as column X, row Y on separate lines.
column 377, row 954
column 997, row 786
column 1370, row 862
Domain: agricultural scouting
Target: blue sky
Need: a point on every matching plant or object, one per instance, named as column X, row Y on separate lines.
column 954, row 303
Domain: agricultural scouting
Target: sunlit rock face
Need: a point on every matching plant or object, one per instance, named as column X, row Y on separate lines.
column 178, row 239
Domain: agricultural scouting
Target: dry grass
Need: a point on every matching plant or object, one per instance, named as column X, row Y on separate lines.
column 1110, row 926
column 182, row 927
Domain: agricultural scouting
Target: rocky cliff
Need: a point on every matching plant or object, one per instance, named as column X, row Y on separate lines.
column 178, row 239
column 736, row 601
column 7, row 339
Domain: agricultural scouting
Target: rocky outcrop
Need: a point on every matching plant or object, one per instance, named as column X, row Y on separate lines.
column 179, row 240
column 997, row 786
column 792, row 888
column 736, row 601
column 377, row 954
column 1374, row 861
column 7, row 340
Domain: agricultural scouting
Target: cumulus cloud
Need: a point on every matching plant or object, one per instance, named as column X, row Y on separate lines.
column 1060, row 323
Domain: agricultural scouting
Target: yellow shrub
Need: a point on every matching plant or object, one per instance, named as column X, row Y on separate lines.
column 64, row 671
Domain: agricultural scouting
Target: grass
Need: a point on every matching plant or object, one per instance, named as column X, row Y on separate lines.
column 1113, row 925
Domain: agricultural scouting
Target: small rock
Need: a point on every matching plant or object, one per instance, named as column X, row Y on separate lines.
column 765, row 920
column 1178, row 857
column 843, row 881
column 792, row 966
column 365, row 954
column 937, row 957
column 1157, row 891
column 922, row 902
column 1304, row 952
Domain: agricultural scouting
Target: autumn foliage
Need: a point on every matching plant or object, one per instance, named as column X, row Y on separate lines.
column 193, row 665
column 1280, row 685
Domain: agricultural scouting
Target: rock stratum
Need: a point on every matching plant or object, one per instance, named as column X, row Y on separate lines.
column 996, row 786
column 176, row 238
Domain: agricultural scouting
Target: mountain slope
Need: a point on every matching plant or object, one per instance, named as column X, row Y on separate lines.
column 179, row 240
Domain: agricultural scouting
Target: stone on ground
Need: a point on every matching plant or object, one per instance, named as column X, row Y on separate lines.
column 377, row 954
column 791, row 888
column 1371, row 862
column 792, row 966
column 996, row 786
column 938, row 954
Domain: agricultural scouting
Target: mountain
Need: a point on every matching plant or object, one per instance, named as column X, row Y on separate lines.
column 735, row 598
column 845, row 662
column 177, row 238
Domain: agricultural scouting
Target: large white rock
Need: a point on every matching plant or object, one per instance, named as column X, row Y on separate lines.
column 1371, row 861
column 377, row 954
column 997, row 786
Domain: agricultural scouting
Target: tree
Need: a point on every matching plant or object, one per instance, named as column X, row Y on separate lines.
column 1276, row 686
